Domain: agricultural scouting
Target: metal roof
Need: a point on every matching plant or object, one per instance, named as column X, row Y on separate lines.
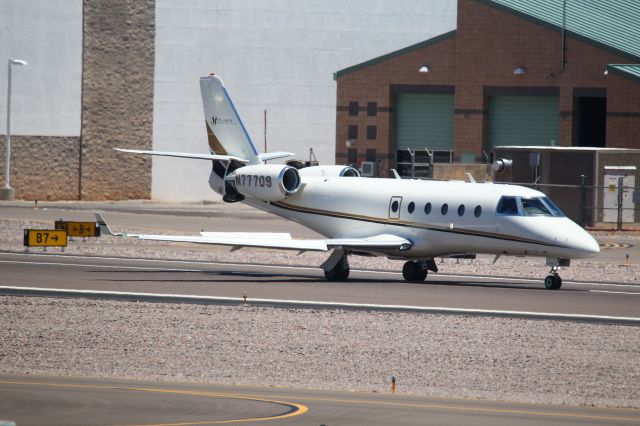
column 614, row 25
column 631, row 71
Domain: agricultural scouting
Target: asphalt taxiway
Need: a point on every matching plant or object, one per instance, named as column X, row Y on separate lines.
column 29, row 400
column 287, row 283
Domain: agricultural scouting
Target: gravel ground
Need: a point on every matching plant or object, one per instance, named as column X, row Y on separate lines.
column 506, row 359
column 493, row 358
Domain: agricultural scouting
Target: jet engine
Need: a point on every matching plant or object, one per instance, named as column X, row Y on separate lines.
column 269, row 182
column 330, row 171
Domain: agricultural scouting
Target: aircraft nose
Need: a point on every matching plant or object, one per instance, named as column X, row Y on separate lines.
column 594, row 246
column 588, row 245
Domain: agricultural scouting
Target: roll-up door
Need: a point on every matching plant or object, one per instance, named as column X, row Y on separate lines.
column 424, row 121
column 523, row 120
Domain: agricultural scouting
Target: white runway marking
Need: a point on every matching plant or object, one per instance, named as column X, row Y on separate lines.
column 614, row 292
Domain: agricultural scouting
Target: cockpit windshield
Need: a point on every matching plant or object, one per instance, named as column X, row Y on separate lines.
column 508, row 206
column 534, row 207
column 555, row 210
column 521, row 206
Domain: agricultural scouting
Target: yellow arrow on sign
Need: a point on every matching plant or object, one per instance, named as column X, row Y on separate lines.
column 45, row 238
column 78, row 229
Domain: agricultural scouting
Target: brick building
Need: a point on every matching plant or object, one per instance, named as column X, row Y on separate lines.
column 514, row 72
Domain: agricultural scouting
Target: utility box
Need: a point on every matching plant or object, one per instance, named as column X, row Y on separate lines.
column 610, row 193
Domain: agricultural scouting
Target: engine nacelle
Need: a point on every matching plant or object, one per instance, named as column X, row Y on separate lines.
column 330, row 171
column 269, row 182
column 501, row 164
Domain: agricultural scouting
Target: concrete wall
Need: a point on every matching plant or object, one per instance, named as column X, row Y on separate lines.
column 105, row 50
column 43, row 167
column 45, row 96
column 117, row 104
column 46, row 93
column 277, row 55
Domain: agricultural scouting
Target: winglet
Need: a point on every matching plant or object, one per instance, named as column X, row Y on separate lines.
column 395, row 174
column 104, row 228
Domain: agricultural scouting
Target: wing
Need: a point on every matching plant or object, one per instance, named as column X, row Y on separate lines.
column 282, row 241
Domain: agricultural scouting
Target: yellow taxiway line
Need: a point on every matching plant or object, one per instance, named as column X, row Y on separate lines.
column 295, row 409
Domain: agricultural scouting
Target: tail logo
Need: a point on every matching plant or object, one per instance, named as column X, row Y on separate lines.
column 217, row 120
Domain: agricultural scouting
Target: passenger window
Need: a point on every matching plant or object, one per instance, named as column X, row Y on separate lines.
column 477, row 211
column 461, row 210
column 411, row 207
column 427, row 208
column 507, row 206
column 394, row 206
column 444, row 209
column 534, row 207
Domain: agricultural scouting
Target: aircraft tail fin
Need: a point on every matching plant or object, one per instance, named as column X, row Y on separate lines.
column 225, row 131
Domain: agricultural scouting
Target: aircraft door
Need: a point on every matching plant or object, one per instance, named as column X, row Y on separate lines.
column 394, row 207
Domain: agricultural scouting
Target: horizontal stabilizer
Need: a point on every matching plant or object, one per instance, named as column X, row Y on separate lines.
column 274, row 155
column 185, row 155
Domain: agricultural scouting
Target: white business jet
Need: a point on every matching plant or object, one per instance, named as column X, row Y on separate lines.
column 413, row 220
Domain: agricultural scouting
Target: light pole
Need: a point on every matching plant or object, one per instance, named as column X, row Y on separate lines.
column 7, row 192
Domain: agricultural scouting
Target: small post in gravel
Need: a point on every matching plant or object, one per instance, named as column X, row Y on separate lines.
column 393, row 384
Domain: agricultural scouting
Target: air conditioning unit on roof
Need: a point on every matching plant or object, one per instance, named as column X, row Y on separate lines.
column 369, row 169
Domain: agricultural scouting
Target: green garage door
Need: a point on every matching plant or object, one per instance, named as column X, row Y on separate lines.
column 523, row 120
column 424, row 121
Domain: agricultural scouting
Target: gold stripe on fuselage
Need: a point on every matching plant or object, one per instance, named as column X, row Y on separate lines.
column 386, row 221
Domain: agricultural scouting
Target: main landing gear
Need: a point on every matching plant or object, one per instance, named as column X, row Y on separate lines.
column 416, row 270
column 553, row 280
column 339, row 271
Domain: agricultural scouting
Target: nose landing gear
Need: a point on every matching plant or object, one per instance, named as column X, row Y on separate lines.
column 553, row 280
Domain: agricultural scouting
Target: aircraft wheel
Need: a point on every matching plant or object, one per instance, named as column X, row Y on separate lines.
column 558, row 282
column 414, row 271
column 340, row 272
column 553, row 282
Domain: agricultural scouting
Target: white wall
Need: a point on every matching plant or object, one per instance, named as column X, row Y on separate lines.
column 46, row 94
column 278, row 55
